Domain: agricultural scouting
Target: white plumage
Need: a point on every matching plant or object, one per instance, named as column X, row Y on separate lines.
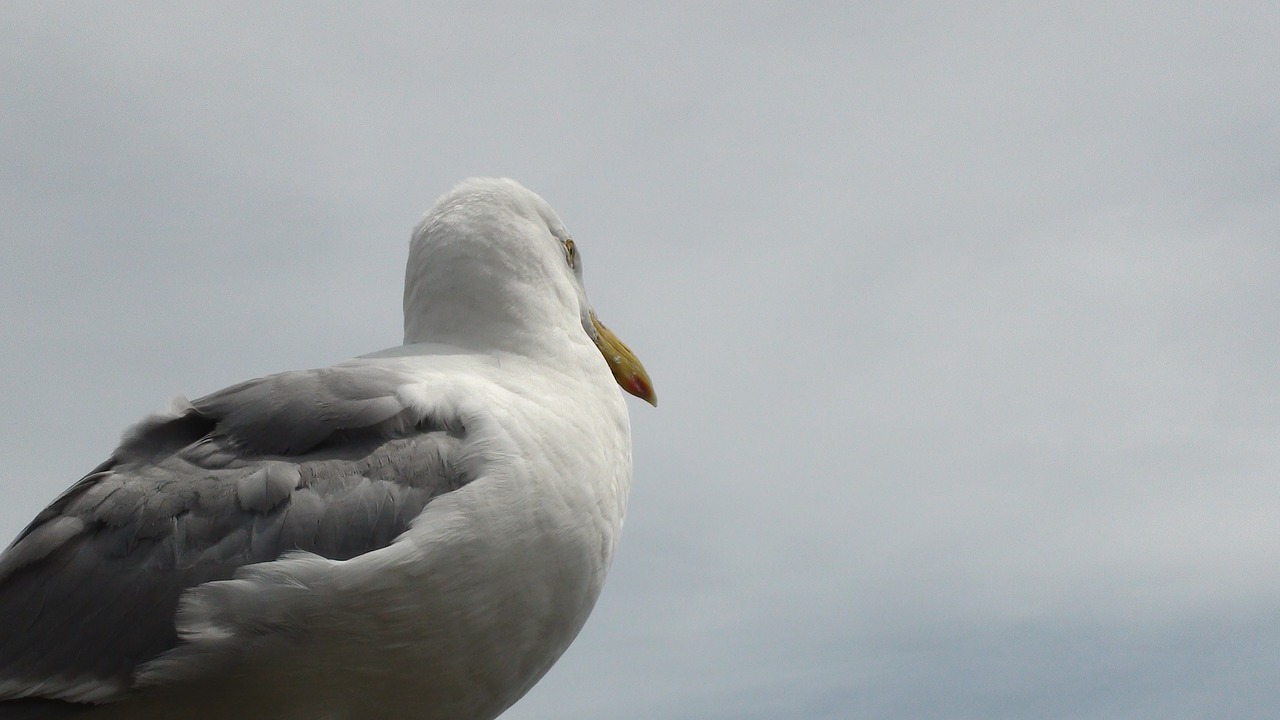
column 416, row 533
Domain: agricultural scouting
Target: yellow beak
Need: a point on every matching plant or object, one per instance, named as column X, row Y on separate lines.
column 626, row 367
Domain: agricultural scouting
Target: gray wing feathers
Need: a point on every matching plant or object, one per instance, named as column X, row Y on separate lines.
column 306, row 408
column 328, row 462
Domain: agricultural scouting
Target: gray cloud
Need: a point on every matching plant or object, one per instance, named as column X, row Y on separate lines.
column 962, row 321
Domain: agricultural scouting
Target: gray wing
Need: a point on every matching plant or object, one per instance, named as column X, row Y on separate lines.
column 323, row 461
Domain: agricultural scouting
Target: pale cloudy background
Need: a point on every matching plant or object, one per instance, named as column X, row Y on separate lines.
column 964, row 322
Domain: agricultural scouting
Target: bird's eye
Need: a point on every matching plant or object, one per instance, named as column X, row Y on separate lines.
column 571, row 253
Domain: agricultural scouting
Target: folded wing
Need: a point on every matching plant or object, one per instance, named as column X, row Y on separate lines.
column 328, row 462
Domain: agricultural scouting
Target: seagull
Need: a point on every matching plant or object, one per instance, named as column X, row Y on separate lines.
column 415, row 533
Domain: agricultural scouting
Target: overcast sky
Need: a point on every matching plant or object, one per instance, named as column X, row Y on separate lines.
column 964, row 323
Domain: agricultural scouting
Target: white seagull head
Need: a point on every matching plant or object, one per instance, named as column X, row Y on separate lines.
column 492, row 267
